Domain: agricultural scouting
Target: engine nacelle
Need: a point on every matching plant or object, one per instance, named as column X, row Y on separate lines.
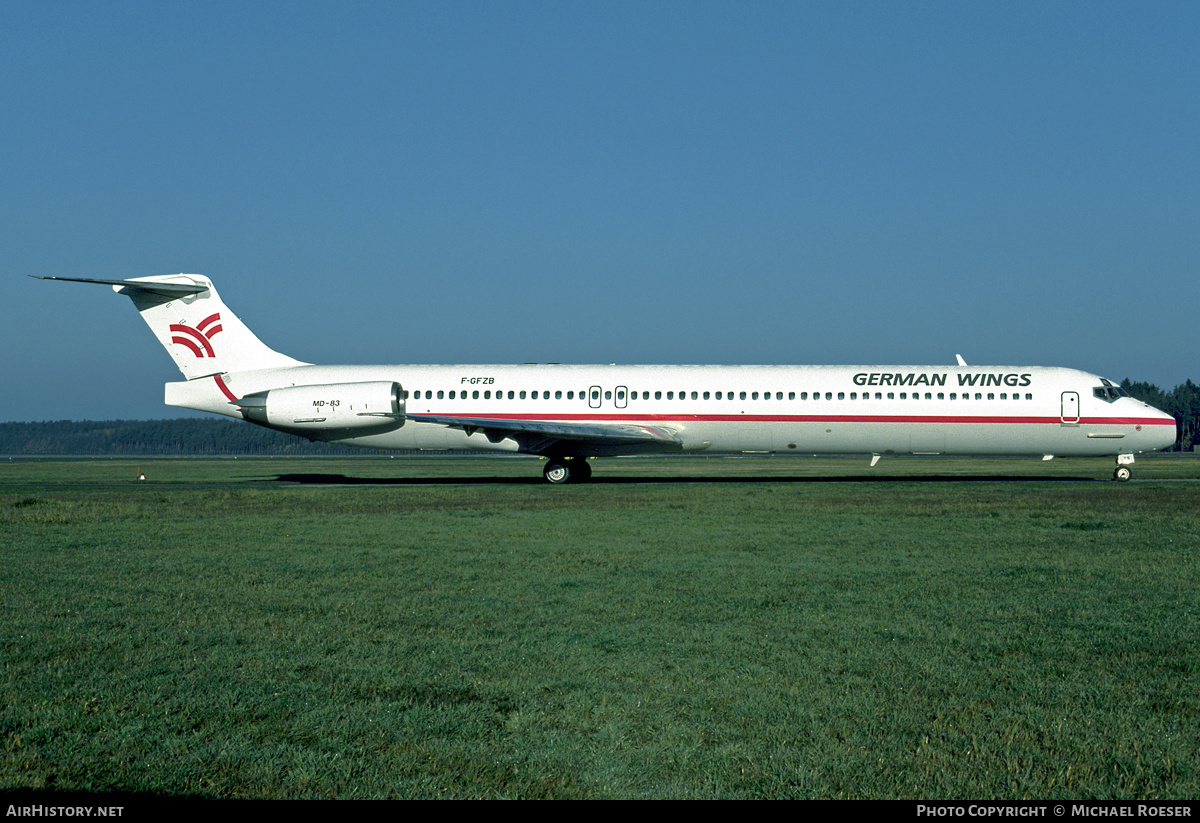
column 328, row 406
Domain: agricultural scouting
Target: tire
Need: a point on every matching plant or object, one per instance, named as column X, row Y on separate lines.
column 580, row 471
column 1122, row 474
column 557, row 472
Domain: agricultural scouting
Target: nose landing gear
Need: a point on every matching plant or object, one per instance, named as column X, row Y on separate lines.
column 1124, row 469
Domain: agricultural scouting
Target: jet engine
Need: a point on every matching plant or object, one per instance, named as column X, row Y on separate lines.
column 328, row 406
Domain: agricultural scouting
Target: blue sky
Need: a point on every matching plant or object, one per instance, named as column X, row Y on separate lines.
column 649, row 182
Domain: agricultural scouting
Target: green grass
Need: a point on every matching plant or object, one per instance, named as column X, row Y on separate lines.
column 217, row 631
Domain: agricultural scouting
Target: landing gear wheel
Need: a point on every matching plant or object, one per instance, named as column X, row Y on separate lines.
column 1122, row 473
column 581, row 470
column 557, row 472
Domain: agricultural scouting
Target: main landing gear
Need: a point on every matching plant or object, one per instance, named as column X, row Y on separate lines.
column 1124, row 469
column 560, row 470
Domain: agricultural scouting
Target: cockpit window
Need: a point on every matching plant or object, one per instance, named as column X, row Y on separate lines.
column 1108, row 393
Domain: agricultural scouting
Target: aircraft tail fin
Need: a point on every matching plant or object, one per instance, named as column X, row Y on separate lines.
column 196, row 328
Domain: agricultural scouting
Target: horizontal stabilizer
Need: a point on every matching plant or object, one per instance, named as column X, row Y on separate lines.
column 163, row 289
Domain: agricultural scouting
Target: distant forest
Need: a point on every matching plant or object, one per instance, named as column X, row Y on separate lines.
column 224, row 436
column 180, row 436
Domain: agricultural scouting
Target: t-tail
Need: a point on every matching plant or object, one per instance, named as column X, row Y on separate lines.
column 201, row 334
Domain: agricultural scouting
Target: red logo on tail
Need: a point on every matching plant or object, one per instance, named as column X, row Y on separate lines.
column 197, row 338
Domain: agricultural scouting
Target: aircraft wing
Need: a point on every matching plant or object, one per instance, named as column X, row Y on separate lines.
column 531, row 431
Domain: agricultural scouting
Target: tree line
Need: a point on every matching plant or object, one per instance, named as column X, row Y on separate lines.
column 198, row 436
column 221, row 436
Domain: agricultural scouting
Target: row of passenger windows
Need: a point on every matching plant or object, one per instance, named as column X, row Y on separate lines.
column 621, row 396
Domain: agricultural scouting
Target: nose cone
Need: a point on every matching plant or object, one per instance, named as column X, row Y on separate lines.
column 1160, row 433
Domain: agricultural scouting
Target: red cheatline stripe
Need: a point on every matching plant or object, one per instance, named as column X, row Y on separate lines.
column 807, row 418
column 224, row 389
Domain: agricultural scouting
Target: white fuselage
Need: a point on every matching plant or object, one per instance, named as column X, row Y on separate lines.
column 801, row 409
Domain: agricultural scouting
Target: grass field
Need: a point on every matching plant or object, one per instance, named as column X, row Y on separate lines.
column 452, row 627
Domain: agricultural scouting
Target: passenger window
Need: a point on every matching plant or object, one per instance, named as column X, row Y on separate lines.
column 743, row 395
column 841, row 395
column 693, row 395
column 440, row 393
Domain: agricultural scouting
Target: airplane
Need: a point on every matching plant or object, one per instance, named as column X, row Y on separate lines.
column 567, row 414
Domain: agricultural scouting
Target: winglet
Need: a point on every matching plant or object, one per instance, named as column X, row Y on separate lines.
column 961, row 362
